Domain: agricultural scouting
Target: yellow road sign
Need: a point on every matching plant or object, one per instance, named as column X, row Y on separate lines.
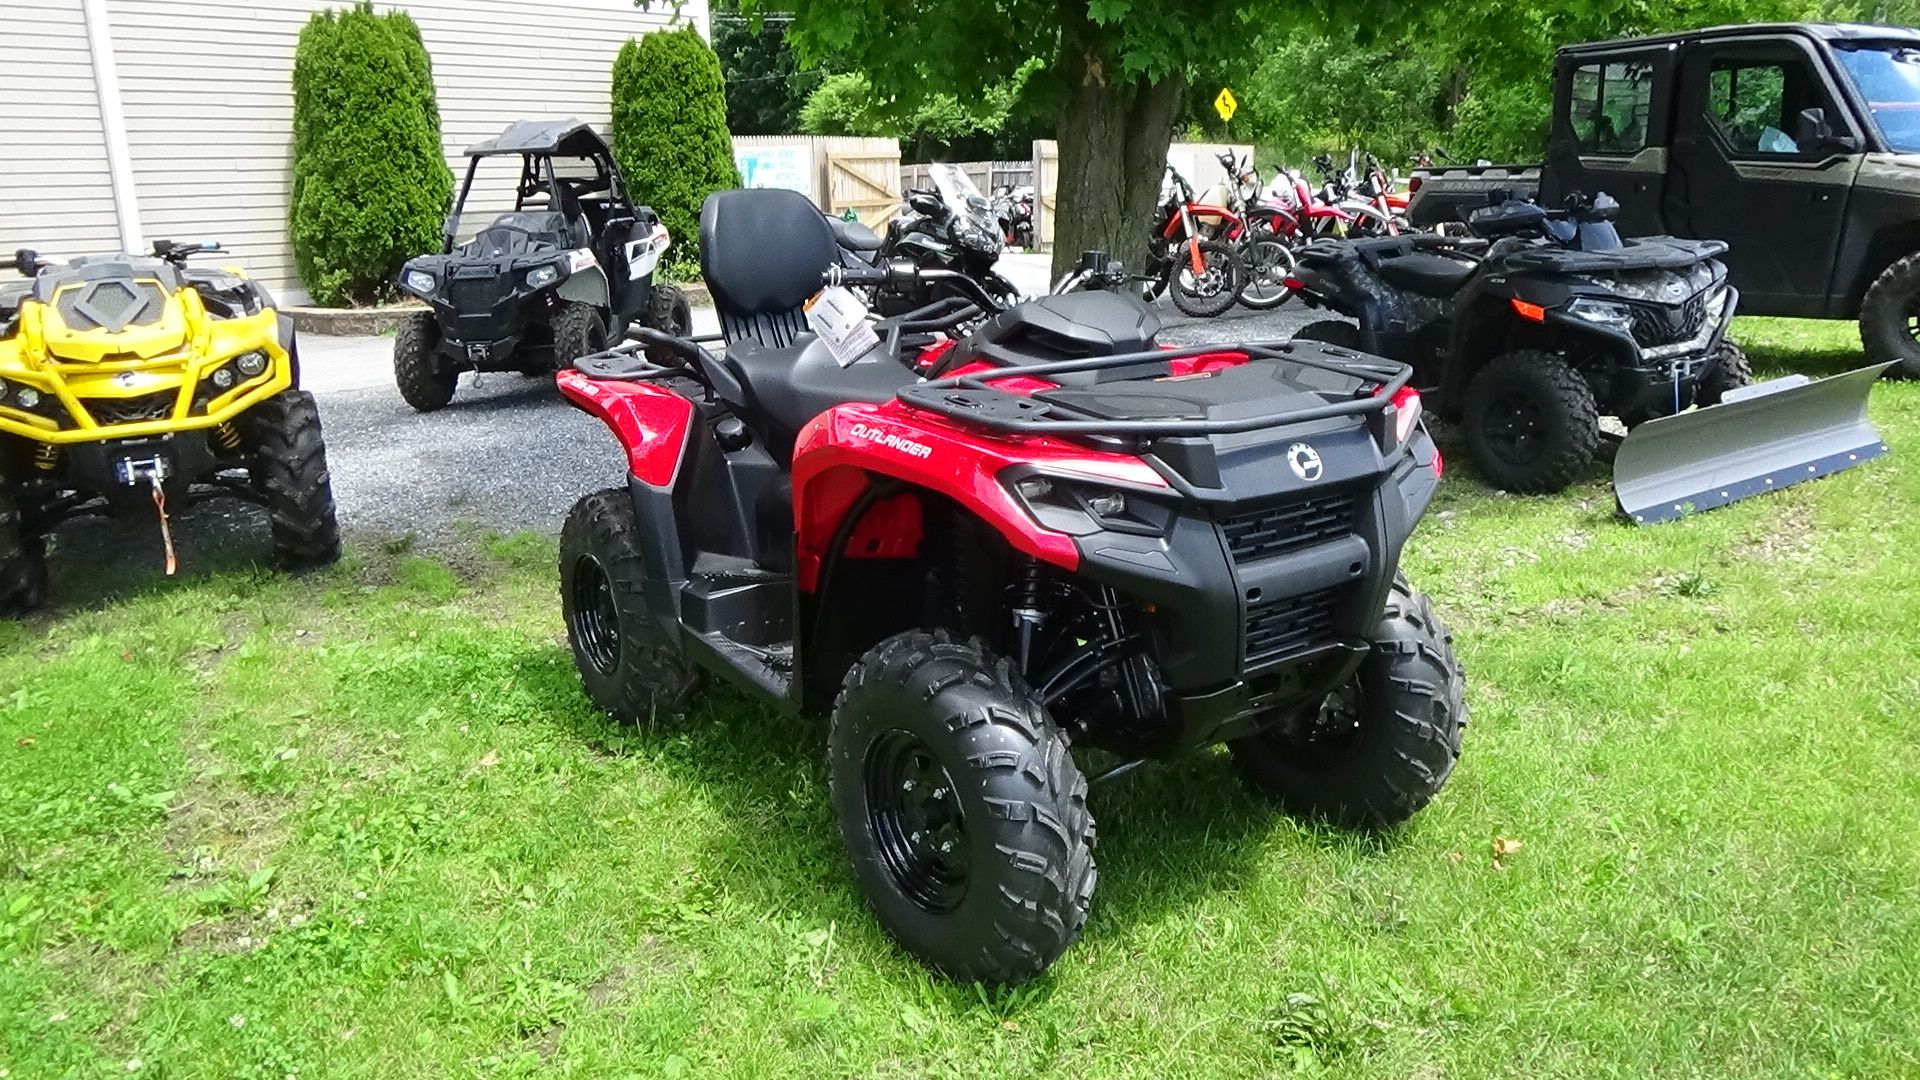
column 1226, row 104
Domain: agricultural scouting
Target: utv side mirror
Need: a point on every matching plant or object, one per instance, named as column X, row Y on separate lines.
column 452, row 223
column 27, row 261
column 1813, row 135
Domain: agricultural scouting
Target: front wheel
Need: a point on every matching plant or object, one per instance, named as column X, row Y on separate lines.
column 1531, row 422
column 1729, row 370
column 1380, row 747
column 1204, row 278
column 1890, row 319
column 963, row 813
column 23, row 561
column 578, row 330
column 627, row 670
column 416, row 364
column 1269, row 263
column 290, row 473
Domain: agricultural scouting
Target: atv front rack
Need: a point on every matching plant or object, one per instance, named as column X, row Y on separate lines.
column 973, row 399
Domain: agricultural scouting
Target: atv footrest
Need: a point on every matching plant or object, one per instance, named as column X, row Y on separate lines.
column 764, row 670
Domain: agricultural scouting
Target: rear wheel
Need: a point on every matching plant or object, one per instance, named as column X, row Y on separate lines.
column 1380, row 747
column 626, row 668
column 290, row 472
column 1268, row 265
column 416, row 364
column 1330, row 332
column 578, row 330
column 23, row 562
column 963, row 813
column 1210, row 290
column 1890, row 318
column 1730, row 370
column 1531, row 422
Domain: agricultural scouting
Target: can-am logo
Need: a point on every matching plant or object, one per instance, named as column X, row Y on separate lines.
column 891, row 441
column 1304, row 460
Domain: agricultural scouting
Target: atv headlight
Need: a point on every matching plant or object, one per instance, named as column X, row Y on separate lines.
column 1606, row 313
column 251, row 364
column 222, row 377
column 421, row 282
column 27, row 397
column 1081, row 509
column 542, row 276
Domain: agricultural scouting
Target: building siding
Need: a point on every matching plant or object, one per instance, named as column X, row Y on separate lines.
column 56, row 195
column 207, row 96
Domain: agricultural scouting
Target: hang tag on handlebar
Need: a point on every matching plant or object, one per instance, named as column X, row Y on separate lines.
column 840, row 319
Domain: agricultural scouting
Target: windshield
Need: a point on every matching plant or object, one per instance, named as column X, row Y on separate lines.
column 957, row 190
column 1888, row 78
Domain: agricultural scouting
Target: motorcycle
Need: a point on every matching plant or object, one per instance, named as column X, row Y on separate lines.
column 950, row 227
column 1013, row 207
column 1266, row 254
column 1195, row 250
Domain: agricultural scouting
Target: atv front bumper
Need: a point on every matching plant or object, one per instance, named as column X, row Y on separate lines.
column 90, row 402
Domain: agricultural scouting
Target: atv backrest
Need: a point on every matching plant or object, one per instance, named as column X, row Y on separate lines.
column 762, row 252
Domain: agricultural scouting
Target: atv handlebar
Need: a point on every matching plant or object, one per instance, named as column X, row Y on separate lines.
column 177, row 253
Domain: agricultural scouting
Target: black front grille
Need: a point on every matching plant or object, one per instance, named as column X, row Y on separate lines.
column 1278, row 629
column 1655, row 325
column 473, row 296
column 1277, row 530
column 134, row 409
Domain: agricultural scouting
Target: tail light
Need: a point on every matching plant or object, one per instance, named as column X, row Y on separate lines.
column 1293, row 283
column 1413, row 183
column 1406, row 413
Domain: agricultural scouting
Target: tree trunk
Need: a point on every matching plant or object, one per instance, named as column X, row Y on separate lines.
column 1113, row 148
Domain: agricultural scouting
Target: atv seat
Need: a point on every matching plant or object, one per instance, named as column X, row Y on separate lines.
column 1427, row 274
column 854, row 236
column 762, row 252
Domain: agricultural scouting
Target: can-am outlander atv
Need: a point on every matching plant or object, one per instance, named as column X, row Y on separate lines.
column 138, row 386
column 989, row 558
column 1546, row 320
column 561, row 275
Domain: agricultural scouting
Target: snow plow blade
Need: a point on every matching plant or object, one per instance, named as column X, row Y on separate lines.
column 1760, row 438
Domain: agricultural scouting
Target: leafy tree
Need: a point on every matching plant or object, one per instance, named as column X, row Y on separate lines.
column 370, row 182
column 765, row 86
column 670, row 130
column 932, row 127
column 1112, row 71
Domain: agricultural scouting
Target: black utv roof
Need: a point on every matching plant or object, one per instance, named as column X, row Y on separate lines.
column 1817, row 31
column 568, row 138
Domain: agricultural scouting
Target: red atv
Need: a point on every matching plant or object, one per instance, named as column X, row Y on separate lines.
column 991, row 558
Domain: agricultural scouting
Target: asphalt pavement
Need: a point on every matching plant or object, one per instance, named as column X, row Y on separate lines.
column 508, row 454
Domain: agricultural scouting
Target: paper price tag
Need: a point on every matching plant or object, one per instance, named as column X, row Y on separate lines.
column 840, row 320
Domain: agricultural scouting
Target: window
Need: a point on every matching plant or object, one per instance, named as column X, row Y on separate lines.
column 1888, row 77
column 1610, row 106
column 1753, row 104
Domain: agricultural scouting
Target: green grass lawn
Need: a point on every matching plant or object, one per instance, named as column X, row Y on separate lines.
column 365, row 824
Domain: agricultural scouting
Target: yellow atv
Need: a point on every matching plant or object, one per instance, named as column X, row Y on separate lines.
column 137, row 386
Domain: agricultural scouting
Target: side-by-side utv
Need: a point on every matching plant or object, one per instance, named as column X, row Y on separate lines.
column 562, row 274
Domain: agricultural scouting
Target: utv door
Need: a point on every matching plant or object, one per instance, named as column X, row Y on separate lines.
column 1610, row 133
column 1740, row 175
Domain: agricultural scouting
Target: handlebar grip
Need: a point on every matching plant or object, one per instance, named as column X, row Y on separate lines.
column 854, row 275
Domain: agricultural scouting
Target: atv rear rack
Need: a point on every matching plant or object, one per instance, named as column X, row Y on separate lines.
column 973, row 399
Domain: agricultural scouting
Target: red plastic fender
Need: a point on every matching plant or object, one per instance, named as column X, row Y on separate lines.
column 838, row 449
column 650, row 421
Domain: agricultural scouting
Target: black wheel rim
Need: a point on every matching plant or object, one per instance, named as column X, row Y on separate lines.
column 1323, row 738
column 914, row 817
column 595, row 621
column 1515, row 428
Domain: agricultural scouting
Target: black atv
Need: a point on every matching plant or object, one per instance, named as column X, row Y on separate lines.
column 1536, row 326
column 986, row 558
column 563, row 274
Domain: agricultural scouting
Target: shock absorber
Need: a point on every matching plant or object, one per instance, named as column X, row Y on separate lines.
column 46, row 457
column 1023, row 599
column 226, row 436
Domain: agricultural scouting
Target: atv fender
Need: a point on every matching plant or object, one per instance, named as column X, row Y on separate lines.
column 651, row 423
column 588, row 286
column 838, row 453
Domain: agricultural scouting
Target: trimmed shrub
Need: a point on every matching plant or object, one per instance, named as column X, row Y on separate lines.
column 370, row 182
column 670, row 132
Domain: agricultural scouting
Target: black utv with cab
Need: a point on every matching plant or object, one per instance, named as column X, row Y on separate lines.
column 561, row 275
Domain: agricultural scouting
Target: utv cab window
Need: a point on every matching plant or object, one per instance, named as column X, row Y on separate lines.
column 1888, row 80
column 1752, row 104
column 1609, row 107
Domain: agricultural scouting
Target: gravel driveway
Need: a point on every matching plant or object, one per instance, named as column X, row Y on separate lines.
column 507, row 454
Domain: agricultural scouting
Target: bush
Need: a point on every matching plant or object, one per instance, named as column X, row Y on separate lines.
column 670, row 131
column 370, row 182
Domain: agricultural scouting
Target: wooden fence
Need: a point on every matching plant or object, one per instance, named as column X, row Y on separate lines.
column 988, row 176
